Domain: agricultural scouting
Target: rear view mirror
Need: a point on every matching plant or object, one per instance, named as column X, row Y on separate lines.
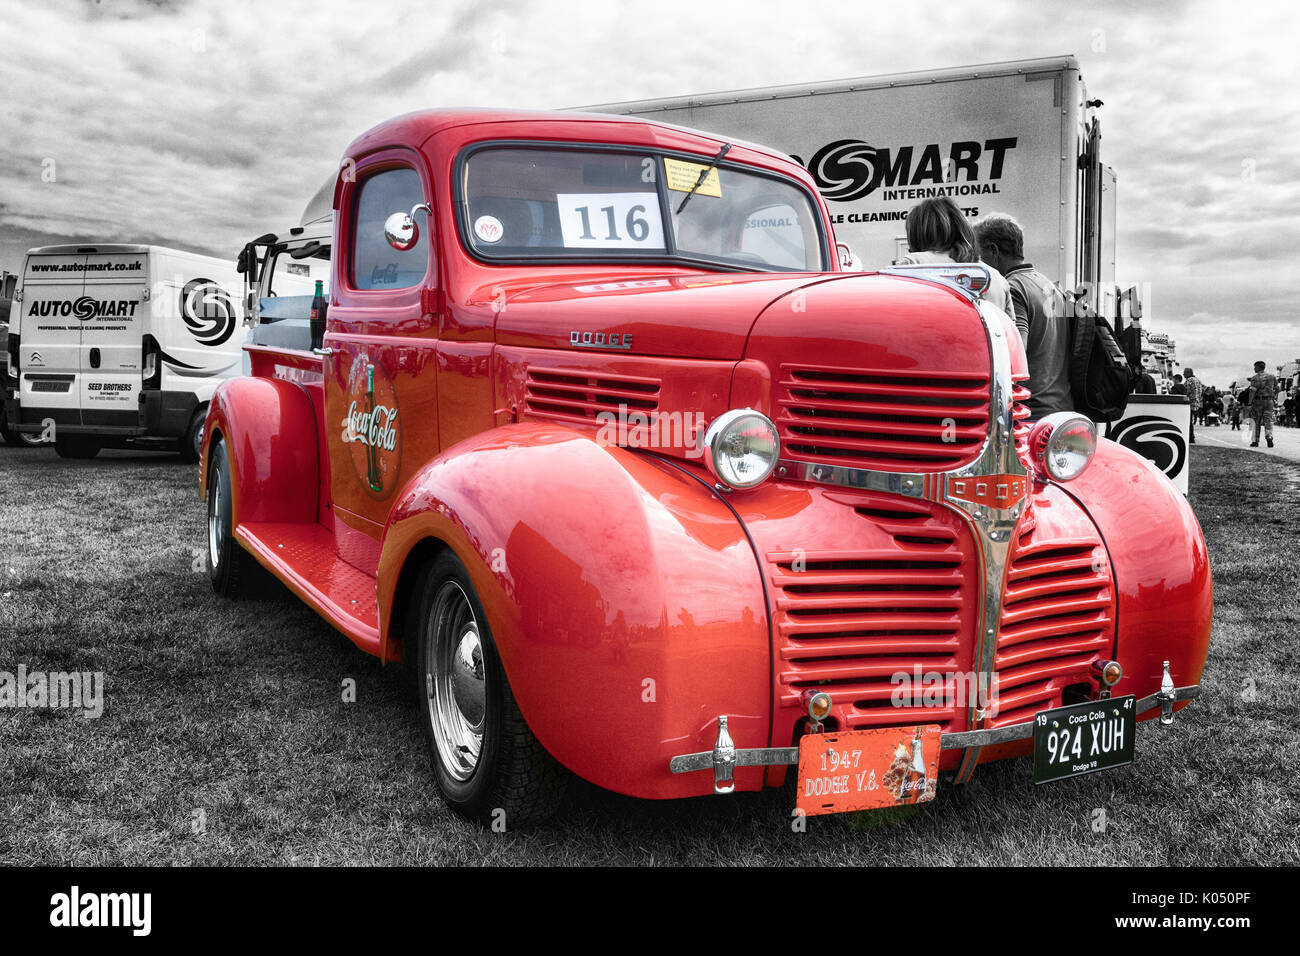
column 847, row 259
column 400, row 229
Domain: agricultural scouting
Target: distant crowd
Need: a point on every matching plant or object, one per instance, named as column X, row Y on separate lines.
column 1256, row 403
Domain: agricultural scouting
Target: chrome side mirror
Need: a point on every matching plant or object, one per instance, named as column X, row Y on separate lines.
column 848, row 260
column 400, row 229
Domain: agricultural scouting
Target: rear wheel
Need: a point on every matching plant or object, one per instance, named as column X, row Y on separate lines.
column 76, row 447
column 487, row 762
column 190, row 445
column 232, row 571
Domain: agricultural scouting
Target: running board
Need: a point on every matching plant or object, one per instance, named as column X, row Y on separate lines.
column 305, row 557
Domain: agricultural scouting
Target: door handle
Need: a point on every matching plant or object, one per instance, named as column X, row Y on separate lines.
column 322, row 351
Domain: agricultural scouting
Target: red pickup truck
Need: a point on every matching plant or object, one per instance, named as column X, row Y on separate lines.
column 644, row 488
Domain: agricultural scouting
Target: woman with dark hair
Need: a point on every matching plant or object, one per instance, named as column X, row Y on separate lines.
column 937, row 232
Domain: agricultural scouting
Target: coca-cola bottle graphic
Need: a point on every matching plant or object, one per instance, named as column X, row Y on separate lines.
column 372, row 452
column 319, row 308
column 914, row 781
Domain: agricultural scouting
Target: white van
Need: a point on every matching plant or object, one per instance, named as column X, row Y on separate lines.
column 115, row 346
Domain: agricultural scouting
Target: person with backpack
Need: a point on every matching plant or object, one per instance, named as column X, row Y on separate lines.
column 1039, row 311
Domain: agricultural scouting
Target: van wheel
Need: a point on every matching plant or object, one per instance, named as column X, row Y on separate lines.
column 232, row 571
column 76, row 447
column 19, row 439
column 190, row 445
column 486, row 760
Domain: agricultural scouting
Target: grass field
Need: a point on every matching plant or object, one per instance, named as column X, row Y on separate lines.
column 231, row 716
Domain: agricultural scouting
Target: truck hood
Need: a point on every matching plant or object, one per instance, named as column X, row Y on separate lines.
column 674, row 315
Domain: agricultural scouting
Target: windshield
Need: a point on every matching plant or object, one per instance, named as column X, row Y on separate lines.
column 525, row 202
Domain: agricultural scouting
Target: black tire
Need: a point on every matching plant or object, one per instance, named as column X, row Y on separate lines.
column 513, row 781
column 76, row 447
column 232, row 571
column 190, row 445
column 19, row 439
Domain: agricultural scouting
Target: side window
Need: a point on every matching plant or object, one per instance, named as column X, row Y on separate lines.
column 375, row 263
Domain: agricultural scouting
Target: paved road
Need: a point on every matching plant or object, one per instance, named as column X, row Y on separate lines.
column 1286, row 441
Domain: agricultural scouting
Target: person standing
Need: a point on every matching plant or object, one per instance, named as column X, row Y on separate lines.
column 1038, row 308
column 1195, row 392
column 1145, row 385
column 937, row 232
column 1263, row 404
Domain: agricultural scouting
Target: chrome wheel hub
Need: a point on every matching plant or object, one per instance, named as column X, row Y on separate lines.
column 216, row 529
column 455, row 682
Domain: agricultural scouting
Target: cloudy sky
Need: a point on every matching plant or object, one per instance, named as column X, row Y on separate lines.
column 200, row 124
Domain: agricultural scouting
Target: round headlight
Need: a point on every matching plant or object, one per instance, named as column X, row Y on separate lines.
column 741, row 448
column 1063, row 444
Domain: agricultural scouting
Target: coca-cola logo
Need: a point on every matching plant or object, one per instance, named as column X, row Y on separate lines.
column 208, row 312
column 370, row 429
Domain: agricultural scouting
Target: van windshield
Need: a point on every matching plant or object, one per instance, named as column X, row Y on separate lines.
column 521, row 202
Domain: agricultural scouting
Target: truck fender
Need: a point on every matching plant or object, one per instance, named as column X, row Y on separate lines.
column 1164, row 593
column 623, row 595
column 269, row 429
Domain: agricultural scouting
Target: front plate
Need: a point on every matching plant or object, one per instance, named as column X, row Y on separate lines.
column 867, row 769
column 1083, row 738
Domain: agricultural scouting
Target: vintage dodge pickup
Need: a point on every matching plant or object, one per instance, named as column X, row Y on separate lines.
column 603, row 443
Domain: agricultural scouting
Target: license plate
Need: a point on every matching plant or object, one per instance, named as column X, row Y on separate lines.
column 867, row 769
column 1084, row 738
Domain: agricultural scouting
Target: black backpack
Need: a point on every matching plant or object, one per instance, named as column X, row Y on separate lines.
column 1100, row 376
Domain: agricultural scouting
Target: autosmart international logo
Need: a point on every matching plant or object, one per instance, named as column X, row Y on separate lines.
column 85, row 308
column 208, row 312
column 850, row 169
column 1157, row 439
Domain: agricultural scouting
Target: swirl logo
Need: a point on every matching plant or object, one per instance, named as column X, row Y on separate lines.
column 845, row 169
column 84, row 308
column 208, row 312
column 1156, row 439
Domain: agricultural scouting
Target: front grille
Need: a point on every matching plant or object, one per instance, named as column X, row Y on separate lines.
column 574, row 396
column 1057, row 618
column 847, row 621
column 880, row 419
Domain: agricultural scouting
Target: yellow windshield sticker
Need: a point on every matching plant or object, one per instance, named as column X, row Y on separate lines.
column 682, row 177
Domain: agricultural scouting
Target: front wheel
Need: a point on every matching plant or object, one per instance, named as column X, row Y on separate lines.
column 487, row 762
column 232, row 571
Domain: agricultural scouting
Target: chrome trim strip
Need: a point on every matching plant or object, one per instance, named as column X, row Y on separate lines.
column 965, row 740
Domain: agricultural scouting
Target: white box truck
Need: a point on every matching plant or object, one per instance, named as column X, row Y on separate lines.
column 116, row 346
column 280, row 274
column 1020, row 137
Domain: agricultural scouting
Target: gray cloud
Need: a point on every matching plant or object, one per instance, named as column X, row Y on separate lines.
column 202, row 124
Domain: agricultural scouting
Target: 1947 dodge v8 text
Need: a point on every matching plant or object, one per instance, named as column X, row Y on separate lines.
column 602, row 442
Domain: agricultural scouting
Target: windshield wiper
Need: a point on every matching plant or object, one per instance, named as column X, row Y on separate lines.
column 704, row 174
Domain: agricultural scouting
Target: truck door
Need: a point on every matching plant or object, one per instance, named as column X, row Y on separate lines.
column 380, row 368
column 48, row 320
column 112, row 331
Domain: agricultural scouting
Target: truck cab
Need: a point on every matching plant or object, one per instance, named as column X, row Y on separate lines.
column 641, row 487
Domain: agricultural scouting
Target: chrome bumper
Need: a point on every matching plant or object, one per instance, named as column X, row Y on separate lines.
column 724, row 758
